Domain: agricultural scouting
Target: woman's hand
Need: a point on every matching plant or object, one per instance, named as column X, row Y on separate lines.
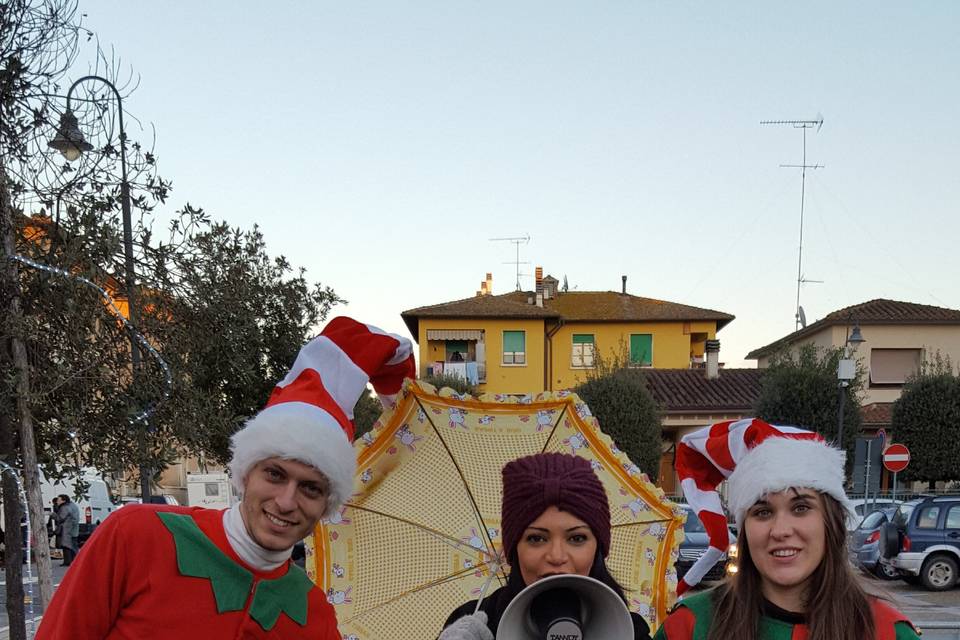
column 472, row 627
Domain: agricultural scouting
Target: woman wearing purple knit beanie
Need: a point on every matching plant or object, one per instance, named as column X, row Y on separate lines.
column 554, row 519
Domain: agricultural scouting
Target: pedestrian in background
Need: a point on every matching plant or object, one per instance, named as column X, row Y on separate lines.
column 52, row 524
column 68, row 528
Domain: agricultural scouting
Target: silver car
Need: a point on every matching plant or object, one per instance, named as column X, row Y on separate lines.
column 864, row 544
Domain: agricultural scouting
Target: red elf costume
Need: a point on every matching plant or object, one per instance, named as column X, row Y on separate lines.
column 161, row 572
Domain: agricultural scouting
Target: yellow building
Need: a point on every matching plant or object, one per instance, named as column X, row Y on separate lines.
column 547, row 339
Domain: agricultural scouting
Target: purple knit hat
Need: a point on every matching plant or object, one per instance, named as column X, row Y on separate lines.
column 534, row 483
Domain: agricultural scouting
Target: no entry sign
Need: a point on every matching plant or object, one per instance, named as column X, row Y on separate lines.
column 896, row 457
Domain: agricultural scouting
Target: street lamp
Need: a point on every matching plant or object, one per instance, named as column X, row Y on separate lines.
column 847, row 371
column 70, row 142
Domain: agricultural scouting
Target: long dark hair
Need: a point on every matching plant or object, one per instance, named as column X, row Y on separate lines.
column 598, row 571
column 837, row 607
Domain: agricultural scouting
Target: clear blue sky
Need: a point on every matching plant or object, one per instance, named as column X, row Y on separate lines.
column 380, row 145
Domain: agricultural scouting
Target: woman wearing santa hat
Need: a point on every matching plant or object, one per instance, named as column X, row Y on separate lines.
column 555, row 519
column 785, row 489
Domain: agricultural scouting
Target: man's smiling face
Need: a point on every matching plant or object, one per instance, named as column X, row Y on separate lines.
column 282, row 502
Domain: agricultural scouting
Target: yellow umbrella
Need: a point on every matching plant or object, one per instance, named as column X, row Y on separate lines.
column 421, row 534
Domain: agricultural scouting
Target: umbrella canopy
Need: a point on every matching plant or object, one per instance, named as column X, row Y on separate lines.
column 421, row 534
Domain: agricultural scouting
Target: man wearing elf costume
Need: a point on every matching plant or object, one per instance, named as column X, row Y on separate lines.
column 188, row 572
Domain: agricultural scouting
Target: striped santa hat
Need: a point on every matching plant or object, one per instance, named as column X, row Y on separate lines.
column 309, row 416
column 756, row 459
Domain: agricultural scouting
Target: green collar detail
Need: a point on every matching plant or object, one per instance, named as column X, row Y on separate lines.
column 199, row 557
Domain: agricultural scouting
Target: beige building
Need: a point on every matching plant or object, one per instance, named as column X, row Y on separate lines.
column 899, row 337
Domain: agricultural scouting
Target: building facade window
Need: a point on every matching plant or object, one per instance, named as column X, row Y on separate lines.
column 581, row 356
column 456, row 350
column 514, row 347
column 893, row 366
column 641, row 349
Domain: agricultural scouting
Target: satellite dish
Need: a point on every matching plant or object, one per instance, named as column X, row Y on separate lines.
column 803, row 318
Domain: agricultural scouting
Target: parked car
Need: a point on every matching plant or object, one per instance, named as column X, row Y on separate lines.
column 864, row 544
column 864, row 506
column 153, row 499
column 922, row 542
column 695, row 543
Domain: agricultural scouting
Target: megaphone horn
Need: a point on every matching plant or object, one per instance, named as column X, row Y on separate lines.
column 566, row 607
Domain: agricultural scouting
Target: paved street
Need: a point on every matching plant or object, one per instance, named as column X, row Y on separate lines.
column 928, row 610
column 58, row 573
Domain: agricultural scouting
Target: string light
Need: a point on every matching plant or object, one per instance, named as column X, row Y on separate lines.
column 152, row 407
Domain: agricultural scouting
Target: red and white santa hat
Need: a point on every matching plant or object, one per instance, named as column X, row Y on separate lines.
column 756, row 459
column 309, row 416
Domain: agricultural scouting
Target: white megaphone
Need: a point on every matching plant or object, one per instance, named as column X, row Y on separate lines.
column 566, row 607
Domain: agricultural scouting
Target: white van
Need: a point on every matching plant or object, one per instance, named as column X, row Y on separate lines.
column 210, row 490
column 94, row 506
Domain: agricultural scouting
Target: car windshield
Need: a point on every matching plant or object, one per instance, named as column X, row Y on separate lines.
column 693, row 524
column 873, row 520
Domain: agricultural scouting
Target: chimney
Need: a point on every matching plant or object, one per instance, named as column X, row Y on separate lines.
column 624, row 278
column 539, row 282
column 540, row 298
column 490, row 284
column 713, row 359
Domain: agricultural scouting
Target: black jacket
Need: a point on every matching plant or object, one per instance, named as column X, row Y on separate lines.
column 497, row 602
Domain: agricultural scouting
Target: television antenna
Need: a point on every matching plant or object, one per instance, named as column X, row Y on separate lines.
column 516, row 241
column 803, row 166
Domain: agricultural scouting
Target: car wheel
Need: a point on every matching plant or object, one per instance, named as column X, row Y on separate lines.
column 885, row 572
column 939, row 572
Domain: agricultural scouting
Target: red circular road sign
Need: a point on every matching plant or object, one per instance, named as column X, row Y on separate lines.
column 896, row 457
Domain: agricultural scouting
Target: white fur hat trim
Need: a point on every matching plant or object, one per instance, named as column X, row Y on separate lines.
column 778, row 464
column 296, row 431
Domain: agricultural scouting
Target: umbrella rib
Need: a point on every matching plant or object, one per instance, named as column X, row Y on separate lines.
column 463, row 478
column 635, row 524
column 453, row 577
column 442, row 537
column 556, row 425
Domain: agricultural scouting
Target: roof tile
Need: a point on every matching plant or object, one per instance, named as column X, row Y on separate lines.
column 572, row 306
column 689, row 389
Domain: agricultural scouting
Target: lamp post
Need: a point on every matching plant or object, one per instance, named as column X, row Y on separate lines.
column 847, row 371
column 70, row 142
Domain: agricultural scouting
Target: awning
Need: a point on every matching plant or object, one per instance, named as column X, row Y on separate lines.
column 455, row 334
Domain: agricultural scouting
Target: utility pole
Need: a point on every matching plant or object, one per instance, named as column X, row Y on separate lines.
column 803, row 166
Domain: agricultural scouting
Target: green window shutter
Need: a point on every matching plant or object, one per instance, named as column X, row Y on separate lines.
column 641, row 349
column 583, row 338
column 513, row 341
